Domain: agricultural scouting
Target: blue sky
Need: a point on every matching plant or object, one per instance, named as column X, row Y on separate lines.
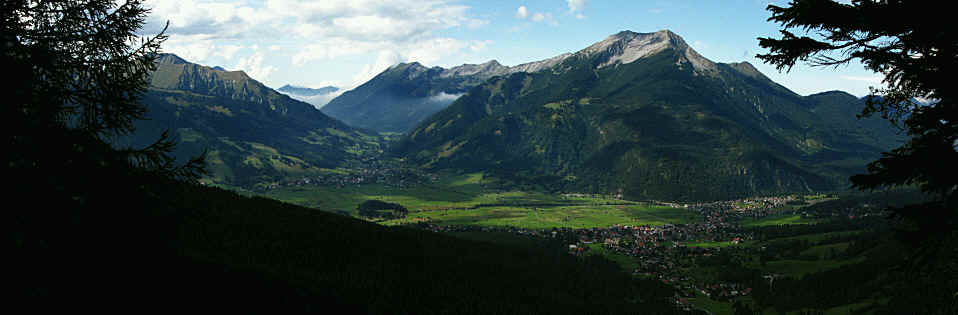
column 344, row 43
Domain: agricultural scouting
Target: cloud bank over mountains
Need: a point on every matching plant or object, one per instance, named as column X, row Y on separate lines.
column 309, row 31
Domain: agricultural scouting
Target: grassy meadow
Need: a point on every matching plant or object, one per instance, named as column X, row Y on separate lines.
column 462, row 200
column 779, row 220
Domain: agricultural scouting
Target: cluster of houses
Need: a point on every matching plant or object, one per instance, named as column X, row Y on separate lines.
column 726, row 211
column 663, row 252
column 852, row 212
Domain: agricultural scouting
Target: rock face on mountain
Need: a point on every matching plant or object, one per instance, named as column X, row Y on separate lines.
column 400, row 97
column 644, row 115
column 253, row 134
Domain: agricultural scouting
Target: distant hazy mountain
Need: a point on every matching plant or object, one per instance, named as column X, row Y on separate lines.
column 305, row 91
column 253, row 133
column 644, row 115
column 318, row 97
column 400, row 97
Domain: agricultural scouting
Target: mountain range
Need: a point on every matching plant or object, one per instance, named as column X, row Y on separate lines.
column 317, row 97
column 645, row 116
column 641, row 115
column 397, row 99
column 252, row 134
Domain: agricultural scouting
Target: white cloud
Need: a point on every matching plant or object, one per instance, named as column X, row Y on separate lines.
column 254, row 67
column 374, row 26
column 431, row 51
column 364, row 22
column 255, row 33
column 332, row 48
column 444, row 97
column 193, row 48
column 544, row 17
column 373, row 20
column 522, row 12
column 576, row 7
column 384, row 60
column 876, row 79
column 218, row 19
column 227, row 51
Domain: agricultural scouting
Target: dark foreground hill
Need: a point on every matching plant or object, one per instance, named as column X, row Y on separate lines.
column 644, row 115
column 253, row 134
column 88, row 232
column 92, row 234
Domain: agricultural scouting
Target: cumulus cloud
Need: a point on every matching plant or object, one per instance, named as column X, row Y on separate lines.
column 576, row 7
column 384, row 60
column 330, row 48
column 430, row 51
column 217, row 19
column 373, row 20
column 544, row 17
column 522, row 12
column 254, row 67
column 227, row 51
column 325, row 29
column 193, row 48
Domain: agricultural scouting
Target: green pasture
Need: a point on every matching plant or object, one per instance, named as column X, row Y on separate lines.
column 628, row 263
column 461, row 199
column 532, row 217
column 716, row 307
column 346, row 198
column 824, row 250
column 778, row 220
column 710, row 244
column 799, row 268
column 818, row 237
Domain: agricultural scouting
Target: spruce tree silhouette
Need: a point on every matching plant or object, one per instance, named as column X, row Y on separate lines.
column 914, row 47
column 85, row 214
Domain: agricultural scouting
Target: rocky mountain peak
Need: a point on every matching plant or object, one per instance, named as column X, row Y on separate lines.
column 540, row 65
column 170, row 59
column 627, row 46
column 487, row 69
column 410, row 70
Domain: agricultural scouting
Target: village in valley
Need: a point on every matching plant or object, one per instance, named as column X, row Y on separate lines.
column 674, row 253
column 714, row 254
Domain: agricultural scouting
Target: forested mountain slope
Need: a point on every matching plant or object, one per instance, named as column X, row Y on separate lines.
column 644, row 115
